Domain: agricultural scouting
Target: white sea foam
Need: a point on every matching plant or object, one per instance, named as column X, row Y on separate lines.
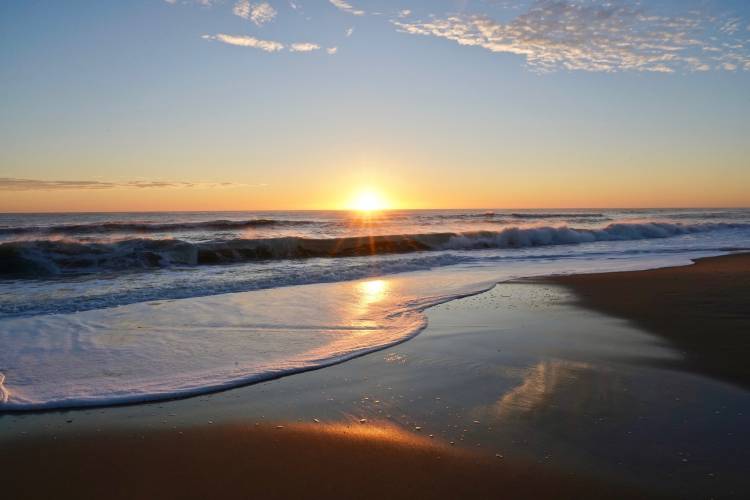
column 4, row 395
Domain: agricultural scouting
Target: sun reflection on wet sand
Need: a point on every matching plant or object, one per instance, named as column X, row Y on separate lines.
column 372, row 431
column 538, row 386
column 369, row 319
column 366, row 295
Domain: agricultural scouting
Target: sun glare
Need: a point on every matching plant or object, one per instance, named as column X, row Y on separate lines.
column 368, row 201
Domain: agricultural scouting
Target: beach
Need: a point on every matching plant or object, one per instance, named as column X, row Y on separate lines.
column 350, row 249
column 567, row 387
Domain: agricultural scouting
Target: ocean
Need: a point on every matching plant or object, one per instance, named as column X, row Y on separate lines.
column 111, row 308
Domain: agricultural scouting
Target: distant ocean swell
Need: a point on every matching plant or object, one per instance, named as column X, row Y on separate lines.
column 49, row 257
column 553, row 215
column 122, row 227
column 147, row 227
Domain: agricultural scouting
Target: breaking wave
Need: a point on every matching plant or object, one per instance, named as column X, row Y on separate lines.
column 49, row 257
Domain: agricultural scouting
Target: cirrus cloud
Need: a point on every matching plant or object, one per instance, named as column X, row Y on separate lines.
column 344, row 6
column 246, row 41
column 259, row 13
column 595, row 36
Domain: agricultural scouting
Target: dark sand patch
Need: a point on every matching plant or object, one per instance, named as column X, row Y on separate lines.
column 703, row 309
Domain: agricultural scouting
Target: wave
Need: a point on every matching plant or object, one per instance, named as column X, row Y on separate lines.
column 149, row 227
column 49, row 257
column 504, row 217
column 556, row 215
column 75, row 295
column 727, row 214
column 76, row 299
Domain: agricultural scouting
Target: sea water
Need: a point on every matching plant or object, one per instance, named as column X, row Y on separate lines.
column 100, row 309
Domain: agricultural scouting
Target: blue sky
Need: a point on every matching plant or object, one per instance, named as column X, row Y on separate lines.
column 438, row 103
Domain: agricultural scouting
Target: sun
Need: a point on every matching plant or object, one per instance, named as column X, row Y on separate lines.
column 368, row 200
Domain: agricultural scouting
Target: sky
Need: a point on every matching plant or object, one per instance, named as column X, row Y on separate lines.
column 242, row 105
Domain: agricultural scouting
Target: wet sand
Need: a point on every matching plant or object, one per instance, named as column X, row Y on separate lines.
column 703, row 310
column 515, row 393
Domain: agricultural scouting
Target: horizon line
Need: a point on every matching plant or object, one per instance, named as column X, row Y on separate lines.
column 23, row 212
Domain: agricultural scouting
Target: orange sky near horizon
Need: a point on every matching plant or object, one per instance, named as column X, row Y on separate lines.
column 406, row 178
column 520, row 193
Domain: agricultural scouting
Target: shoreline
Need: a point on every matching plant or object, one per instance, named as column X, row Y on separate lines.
column 518, row 390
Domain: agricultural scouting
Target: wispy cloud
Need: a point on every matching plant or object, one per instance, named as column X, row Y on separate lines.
column 259, row 13
column 332, row 50
column 16, row 184
column 265, row 45
column 303, row 47
column 595, row 36
column 246, row 41
column 349, row 32
column 205, row 3
column 731, row 26
column 347, row 7
column 242, row 9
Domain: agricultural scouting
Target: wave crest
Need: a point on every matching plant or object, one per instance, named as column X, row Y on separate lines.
column 44, row 257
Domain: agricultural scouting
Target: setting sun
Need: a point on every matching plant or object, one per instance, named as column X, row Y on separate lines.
column 368, row 201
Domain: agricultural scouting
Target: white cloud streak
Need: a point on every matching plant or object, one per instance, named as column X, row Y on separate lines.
column 246, row 41
column 204, row 3
column 347, row 7
column 303, row 47
column 264, row 45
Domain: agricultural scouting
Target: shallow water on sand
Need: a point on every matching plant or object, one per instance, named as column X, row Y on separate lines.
column 165, row 349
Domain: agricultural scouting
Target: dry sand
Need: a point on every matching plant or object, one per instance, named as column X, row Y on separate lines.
column 357, row 460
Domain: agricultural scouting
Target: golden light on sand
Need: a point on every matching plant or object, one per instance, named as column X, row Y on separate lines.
column 368, row 200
